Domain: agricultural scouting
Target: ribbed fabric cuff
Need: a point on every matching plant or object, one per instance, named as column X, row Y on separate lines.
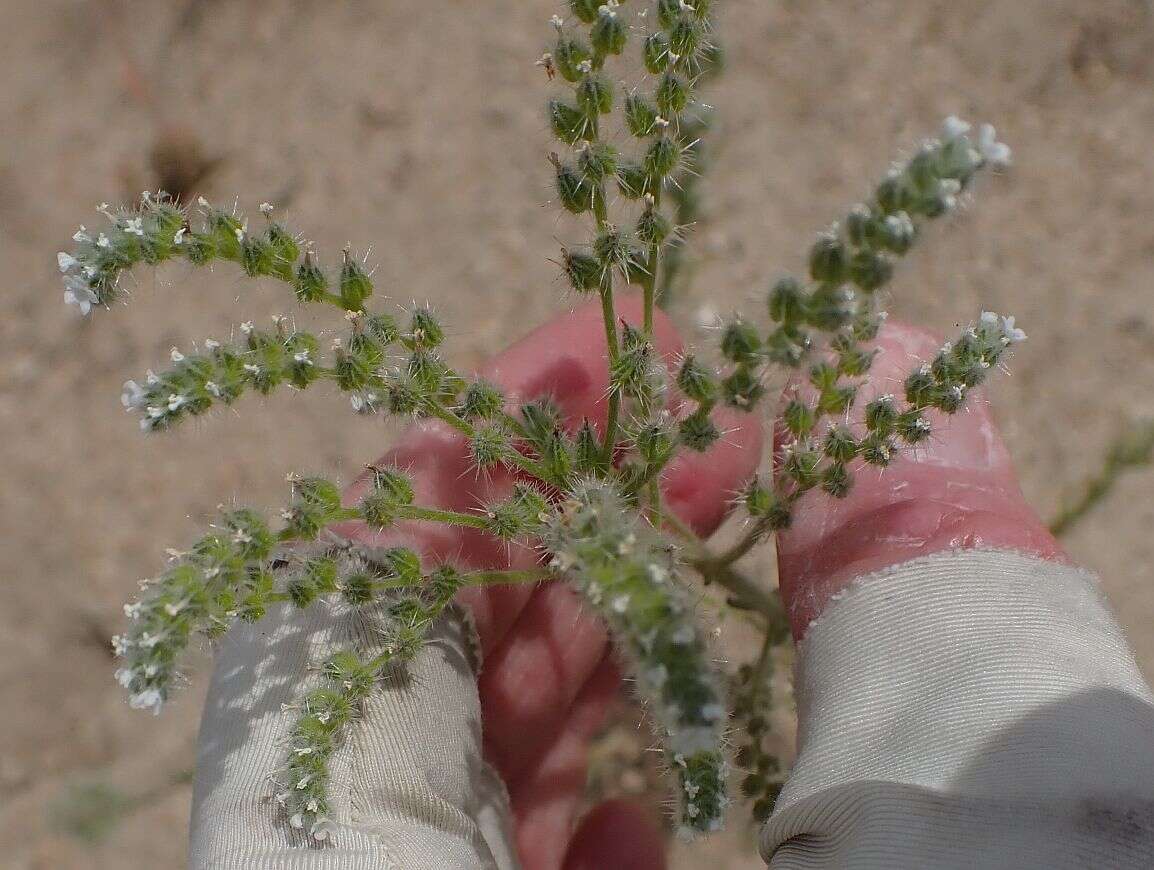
column 969, row 709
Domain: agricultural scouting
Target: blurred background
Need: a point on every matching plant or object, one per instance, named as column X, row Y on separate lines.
column 418, row 128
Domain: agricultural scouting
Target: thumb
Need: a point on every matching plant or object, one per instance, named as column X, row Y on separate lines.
column 956, row 491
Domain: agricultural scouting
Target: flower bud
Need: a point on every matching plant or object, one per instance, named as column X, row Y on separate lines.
column 302, row 369
column 257, row 256
column 392, row 483
column 877, row 449
column 584, row 272
column 656, row 53
column 594, row 95
column 828, row 259
column 912, row 427
column 802, row 465
column 672, row 95
column 662, row 157
column 608, row 34
column 425, row 329
column 586, row 10
column 488, row 446
column 870, row 270
column 764, row 504
column 575, row 193
column 653, row 227
column 839, row 444
column 836, row 480
column 569, row 125
column 698, row 432
column 696, row 381
column 881, row 415
column 685, row 36
column 310, row 284
column 798, row 417
column 742, row 388
column 568, row 55
column 668, row 11
column 632, row 180
column 356, row 286
column 482, row 401
column 640, row 116
column 587, row 452
column 597, row 161
column 787, row 301
column 740, row 342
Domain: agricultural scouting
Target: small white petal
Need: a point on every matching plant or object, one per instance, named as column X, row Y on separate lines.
column 953, row 127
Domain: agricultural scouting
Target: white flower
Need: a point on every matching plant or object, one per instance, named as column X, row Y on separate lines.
column 124, row 676
column 322, row 828
column 65, row 261
column 81, row 235
column 213, row 388
column 211, row 344
column 202, row 202
column 174, row 609
column 1012, row 333
column 266, row 208
column 176, row 402
column 953, row 127
column 621, row 604
column 78, row 293
column 239, row 231
column 102, row 241
column 247, row 327
column 994, row 152
column 252, row 369
column 151, row 378
column 297, row 820
column 176, row 355
column 178, row 239
column 134, row 226
column 557, row 21
column 148, row 699
column 302, row 357
column 989, row 318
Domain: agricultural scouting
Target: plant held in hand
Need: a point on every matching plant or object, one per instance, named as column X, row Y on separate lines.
column 589, row 499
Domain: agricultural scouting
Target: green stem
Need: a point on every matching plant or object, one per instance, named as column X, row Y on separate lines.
column 649, row 280
column 609, row 315
column 454, row 518
column 498, row 578
column 523, row 462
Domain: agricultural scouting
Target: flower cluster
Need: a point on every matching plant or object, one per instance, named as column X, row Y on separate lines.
column 388, row 587
column 628, row 573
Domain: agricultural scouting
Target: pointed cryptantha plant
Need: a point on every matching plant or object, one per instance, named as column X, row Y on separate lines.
column 589, row 498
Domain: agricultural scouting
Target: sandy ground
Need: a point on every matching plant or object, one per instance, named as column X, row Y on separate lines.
column 417, row 128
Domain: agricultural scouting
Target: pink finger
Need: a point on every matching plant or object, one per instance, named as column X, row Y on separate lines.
column 957, row 491
column 547, row 798
column 617, row 835
column 530, row 681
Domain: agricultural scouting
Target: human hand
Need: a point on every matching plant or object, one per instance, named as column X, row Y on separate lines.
column 548, row 675
column 957, row 491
